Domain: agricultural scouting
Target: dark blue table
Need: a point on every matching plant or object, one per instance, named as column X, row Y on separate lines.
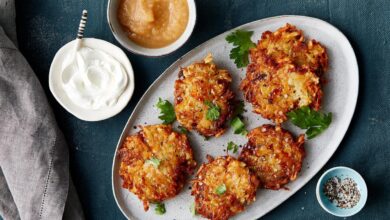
column 45, row 25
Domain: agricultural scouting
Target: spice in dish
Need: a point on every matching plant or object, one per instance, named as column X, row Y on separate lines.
column 153, row 23
column 344, row 193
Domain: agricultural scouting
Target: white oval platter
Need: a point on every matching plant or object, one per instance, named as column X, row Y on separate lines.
column 340, row 98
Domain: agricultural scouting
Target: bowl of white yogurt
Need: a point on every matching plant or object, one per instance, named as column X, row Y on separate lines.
column 94, row 82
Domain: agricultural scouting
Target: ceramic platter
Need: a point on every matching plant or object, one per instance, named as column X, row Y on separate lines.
column 340, row 96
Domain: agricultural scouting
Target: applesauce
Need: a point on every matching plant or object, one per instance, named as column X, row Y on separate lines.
column 153, row 23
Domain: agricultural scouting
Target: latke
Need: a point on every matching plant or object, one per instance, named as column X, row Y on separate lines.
column 273, row 93
column 154, row 163
column 284, row 74
column 273, row 155
column 223, row 187
column 288, row 45
column 200, row 85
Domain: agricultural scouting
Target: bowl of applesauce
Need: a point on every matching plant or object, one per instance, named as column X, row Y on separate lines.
column 151, row 27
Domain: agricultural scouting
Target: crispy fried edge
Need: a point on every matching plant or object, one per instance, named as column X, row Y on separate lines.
column 298, row 142
column 257, row 54
column 197, row 187
column 181, row 178
column 220, row 126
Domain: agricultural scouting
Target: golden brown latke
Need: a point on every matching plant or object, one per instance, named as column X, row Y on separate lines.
column 153, row 182
column 240, row 185
column 199, row 83
column 284, row 73
column 288, row 45
column 274, row 155
column 273, row 93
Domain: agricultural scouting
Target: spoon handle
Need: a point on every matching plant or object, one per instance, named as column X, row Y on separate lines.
column 83, row 21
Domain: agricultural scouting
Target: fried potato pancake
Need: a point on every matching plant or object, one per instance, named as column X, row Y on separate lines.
column 288, row 45
column 198, row 84
column 274, row 155
column 223, row 187
column 154, row 163
column 284, row 73
column 273, row 93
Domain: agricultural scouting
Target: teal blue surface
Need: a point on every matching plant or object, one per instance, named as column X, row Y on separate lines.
column 342, row 173
column 45, row 25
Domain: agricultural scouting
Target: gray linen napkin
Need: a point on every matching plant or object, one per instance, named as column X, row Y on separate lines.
column 34, row 159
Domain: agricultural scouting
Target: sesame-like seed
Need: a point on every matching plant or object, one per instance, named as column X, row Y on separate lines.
column 343, row 193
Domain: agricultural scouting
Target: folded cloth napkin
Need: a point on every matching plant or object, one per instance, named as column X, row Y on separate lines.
column 34, row 159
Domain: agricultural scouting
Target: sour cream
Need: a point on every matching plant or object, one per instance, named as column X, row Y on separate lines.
column 93, row 79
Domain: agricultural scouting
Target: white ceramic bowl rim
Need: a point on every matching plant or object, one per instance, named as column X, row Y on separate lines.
column 59, row 94
column 318, row 188
column 121, row 36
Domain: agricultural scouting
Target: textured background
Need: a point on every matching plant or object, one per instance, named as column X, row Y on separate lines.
column 45, row 25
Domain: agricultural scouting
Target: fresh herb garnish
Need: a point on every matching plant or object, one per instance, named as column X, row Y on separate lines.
column 192, row 209
column 307, row 118
column 182, row 129
column 213, row 112
column 160, row 209
column 167, row 112
column 154, row 161
column 221, row 189
column 242, row 41
column 232, row 146
column 237, row 122
column 238, row 126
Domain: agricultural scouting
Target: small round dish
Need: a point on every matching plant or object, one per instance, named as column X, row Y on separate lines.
column 342, row 173
column 56, row 87
column 121, row 36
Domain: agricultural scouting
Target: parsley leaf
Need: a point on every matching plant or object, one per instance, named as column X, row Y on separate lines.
column 182, row 129
column 232, row 146
column 167, row 112
column 306, row 118
column 213, row 112
column 242, row 41
column 221, row 189
column 160, row 209
column 238, row 126
column 237, row 122
column 192, row 209
column 154, row 161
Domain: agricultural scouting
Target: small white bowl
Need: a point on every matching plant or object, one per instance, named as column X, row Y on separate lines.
column 56, row 87
column 121, row 36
